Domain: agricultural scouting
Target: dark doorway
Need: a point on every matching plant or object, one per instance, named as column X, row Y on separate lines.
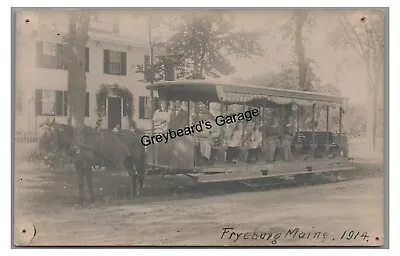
column 114, row 112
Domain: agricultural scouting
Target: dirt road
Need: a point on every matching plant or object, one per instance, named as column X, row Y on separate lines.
column 313, row 215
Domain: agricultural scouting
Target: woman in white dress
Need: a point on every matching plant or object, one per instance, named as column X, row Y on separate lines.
column 161, row 118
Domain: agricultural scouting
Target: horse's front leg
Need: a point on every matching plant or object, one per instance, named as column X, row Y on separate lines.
column 133, row 177
column 89, row 180
column 79, row 169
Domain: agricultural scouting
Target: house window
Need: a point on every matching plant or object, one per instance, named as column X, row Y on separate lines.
column 114, row 62
column 50, row 55
column 54, row 103
column 49, row 49
column 53, row 55
column 145, row 107
column 48, row 103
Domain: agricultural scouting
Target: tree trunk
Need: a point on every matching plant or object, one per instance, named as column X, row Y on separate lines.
column 300, row 19
column 76, row 47
column 370, row 119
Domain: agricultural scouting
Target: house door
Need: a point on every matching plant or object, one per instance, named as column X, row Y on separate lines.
column 114, row 112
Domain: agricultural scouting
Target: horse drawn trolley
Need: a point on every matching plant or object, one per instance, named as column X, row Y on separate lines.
column 257, row 132
column 254, row 132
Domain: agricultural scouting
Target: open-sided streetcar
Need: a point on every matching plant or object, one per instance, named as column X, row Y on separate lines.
column 258, row 132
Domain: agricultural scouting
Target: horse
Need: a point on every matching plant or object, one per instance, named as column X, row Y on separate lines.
column 99, row 148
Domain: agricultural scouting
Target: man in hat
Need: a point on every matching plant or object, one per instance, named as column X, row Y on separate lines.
column 179, row 116
column 287, row 140
column 272, row 141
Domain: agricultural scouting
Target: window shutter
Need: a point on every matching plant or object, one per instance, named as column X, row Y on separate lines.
column 38, row 102
column 123, row 63
column 39, row 53
column 59, row 103
column 141, row 107
column 87, row 59
column 65, row 103
column 106, row 61
column 60, row 57
column 87, row 104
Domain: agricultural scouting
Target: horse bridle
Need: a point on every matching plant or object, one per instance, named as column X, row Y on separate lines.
column 63, row 141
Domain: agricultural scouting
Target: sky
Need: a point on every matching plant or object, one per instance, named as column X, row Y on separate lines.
column 342, row 67
column 351, row 77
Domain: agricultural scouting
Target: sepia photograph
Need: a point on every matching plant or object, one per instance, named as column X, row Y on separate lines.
column 162, row 127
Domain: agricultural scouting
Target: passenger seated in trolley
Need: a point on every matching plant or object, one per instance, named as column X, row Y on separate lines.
column 255, row 143
column 234, row 142
column 179, row 116
column 207, row 137
column 161, row 118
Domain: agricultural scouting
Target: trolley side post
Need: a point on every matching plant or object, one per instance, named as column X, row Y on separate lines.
column 327, row 125
column 340, row 126
column 313, row 145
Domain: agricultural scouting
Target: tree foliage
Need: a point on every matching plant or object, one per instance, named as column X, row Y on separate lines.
column 200, row 46
column 288, row 78
column 364, row 33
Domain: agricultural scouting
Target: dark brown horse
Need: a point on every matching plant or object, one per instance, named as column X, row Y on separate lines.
column 121, row 149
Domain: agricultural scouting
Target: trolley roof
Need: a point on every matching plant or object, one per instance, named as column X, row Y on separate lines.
column 234, row 93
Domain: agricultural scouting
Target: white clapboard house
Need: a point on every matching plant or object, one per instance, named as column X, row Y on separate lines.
column 114, row 50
